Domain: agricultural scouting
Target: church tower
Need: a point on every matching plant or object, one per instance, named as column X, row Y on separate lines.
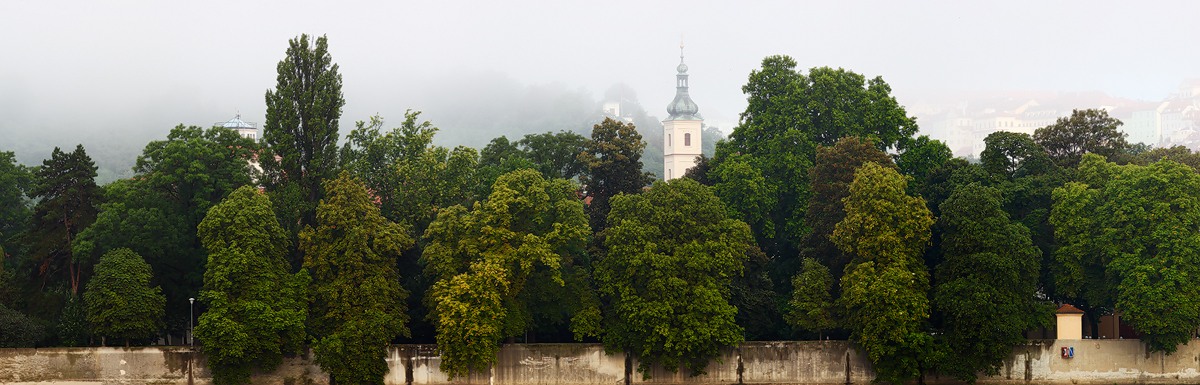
column 682, row 129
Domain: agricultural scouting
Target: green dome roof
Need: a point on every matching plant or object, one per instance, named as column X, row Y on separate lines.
column 682, row 108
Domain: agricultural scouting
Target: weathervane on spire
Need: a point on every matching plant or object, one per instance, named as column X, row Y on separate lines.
column 681, row 48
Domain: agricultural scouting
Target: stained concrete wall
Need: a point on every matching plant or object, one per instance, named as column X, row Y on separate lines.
column 811, row 362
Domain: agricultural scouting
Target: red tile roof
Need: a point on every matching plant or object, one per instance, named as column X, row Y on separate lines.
column 1068, row 309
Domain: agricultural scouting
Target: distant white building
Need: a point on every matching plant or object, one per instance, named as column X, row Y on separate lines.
column 245, row 129
column 681, row 131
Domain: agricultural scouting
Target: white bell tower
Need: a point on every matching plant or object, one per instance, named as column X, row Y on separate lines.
column 681, row 134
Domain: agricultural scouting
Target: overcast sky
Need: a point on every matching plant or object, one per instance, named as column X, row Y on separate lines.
column 98, row 68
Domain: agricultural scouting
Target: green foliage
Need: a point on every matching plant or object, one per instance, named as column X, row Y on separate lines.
column 73, row 326
column 831, row 178
column 197, row 168
column 137, row 216
column 256, row 309
column 15, row 208
column 1177, row 154
column 812, row 303
column 1132, row 229
column 1012, row 155
column 66, row 187
column 613, row 158
column 437, row 179
column 747, row 193
column 1087, row 131
column 487, row 260
column 156, row 214
column 17, row 330
column 555, row 154
column 356, row 303
column 302, row 126
column 883, row 290
column 919, row 156
column 119, row 299
column 672, row 254
column 500, row 157
column 373, row 156
column 987, row 284
column 790, row 114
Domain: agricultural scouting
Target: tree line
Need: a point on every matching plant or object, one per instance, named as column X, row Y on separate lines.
column 823, row 215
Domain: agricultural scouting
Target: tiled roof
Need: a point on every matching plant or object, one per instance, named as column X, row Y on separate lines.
column 1068, row 309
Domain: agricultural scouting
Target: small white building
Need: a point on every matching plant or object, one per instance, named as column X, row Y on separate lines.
column 243, row 128
column 681, row 131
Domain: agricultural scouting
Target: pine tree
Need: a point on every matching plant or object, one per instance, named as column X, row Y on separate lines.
column 66, row 185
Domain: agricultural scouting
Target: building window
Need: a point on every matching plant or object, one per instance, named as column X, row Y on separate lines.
column 669, row 144
column 687, row 140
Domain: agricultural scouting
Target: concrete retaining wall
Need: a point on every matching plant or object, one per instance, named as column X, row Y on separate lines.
column 805, row 362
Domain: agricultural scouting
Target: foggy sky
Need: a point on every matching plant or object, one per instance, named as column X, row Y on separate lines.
column 71, row 71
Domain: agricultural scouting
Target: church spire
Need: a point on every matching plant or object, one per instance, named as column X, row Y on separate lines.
column 682, row 108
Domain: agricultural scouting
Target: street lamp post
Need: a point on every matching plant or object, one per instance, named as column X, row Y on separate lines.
column 191, row 331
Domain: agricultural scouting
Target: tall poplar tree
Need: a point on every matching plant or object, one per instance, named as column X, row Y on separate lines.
column 301, row 129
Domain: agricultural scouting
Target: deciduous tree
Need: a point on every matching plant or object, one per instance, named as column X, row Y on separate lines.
column 831, row 178
column 301, row 126
column 812, row 301
column 356, row 304
column 986, row 286
column 256, row 307
column 1129, row 239
column 120, row 301
column 613, row 158
column 555, row 154
column 672, row 253
column 486, row 259
column 789, row 114
column 1087, row 131
column 886, row 231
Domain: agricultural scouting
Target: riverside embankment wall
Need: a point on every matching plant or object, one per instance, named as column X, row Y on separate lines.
column 811, row 362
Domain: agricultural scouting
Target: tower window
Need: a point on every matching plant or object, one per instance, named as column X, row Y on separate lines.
column 687, row 139
column 669, row 144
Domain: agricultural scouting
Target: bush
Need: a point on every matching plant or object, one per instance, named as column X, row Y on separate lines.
column 17, row 330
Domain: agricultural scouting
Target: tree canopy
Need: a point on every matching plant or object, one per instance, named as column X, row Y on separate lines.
column 1129, row 241
column 613, row 158
column 788, row 115
column 672, row 253
column 883, row 291
column 1086, row 131
column 120, row 301
column 66, row 187
column 986, row 286
column 301, row 127
column 831, row 178
column 486, row 259
column 356, row 303
column 256, row 308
